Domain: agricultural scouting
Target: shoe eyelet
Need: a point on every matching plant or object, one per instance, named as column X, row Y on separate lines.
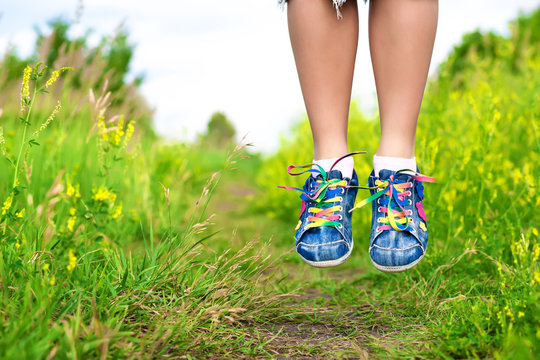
column 342, row 191
column 379, row 209
column 340, row 217
column 410, row 202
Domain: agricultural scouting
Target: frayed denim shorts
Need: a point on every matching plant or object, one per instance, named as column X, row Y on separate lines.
column 337, row 4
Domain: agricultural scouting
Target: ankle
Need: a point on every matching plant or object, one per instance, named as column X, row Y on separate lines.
column 396, row 153
column 345, row 166
column 397, row 149
column 393, row 163
column 335, row 149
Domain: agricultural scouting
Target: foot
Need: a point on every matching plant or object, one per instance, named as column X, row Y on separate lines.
column 323, row 235
column 399, row 233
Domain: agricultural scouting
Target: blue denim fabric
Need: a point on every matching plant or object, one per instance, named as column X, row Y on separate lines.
column 336, row 2
column 391, row 250
column 327, row 246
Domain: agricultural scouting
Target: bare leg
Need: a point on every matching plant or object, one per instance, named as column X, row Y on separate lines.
column 401, row 36
column 324, row 48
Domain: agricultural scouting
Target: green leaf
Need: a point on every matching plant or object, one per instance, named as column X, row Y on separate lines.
column 33, row 142
column 17, row 189
column 10, row 161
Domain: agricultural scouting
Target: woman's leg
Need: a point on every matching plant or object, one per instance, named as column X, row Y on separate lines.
column 401, row 36
column 324, row 49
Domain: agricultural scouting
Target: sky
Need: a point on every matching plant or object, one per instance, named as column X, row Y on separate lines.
column 234, row 56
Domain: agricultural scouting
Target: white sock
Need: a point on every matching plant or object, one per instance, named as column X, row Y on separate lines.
column 346, row 166
column 392, row 163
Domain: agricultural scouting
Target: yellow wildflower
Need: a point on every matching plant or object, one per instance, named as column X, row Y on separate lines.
column 72, row 260
column 112, row 197
column 537, row 276
column 7, row 204
column 71, row 223
column 116, row 211
column 25, row 88
column 536, row 253
column 52, row 281
column 129, row 132
column 496, row 116
column 73, row 191
column 54, row 76
column 70, row 189
column 72, row 219
column 101, row 194
column 20, row 213
column 521, row 314
column 17, row 245
column 509, row 313
column 45, row 267
column 117, row 137
column 517, row 175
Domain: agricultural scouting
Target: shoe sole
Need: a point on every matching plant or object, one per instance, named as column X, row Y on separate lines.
column 329, row 263
column 395, row 269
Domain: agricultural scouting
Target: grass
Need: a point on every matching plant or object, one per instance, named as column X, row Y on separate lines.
column 117, row 244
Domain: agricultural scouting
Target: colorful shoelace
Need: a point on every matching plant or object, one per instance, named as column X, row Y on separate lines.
column 326, row 192
column 322, row 195
column 396, row 191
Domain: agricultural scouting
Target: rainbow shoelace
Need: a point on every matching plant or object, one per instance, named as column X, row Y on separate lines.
column 325, row 192
column 397, row 217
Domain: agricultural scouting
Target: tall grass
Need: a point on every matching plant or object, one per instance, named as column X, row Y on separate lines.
column 101, row 228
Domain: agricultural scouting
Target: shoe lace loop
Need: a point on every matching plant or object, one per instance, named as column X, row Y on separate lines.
column 320, row 197
column 393, row 194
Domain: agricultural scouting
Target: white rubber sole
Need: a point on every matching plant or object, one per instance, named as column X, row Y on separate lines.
column 329, row 263
column 395, row 269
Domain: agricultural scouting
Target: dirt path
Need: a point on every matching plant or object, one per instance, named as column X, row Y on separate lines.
column 323, row 326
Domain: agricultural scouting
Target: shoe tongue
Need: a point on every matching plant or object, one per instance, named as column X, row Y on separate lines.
column 384, row 174
column 335, row 174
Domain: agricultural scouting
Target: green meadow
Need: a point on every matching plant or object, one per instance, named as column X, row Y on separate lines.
column 117, row 243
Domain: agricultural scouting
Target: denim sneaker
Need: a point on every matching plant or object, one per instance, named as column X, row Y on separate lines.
column 323, row 235
column 399, row 233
